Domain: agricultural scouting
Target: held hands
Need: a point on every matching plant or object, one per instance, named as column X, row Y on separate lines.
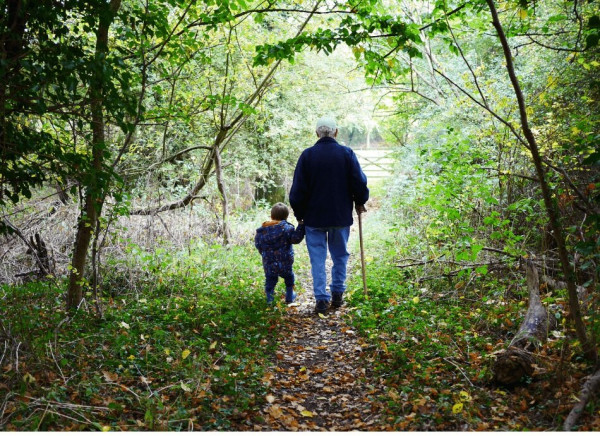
column 360, row 208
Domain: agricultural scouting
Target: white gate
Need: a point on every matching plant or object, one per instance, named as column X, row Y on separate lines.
column 376, row 164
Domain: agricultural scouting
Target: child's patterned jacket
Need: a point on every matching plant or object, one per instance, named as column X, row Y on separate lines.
column 274, row 242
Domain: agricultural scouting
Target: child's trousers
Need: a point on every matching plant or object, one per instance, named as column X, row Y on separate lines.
column 271, row 281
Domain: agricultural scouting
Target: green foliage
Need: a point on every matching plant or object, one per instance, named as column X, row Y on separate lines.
column 434, row 342
column 190, row 343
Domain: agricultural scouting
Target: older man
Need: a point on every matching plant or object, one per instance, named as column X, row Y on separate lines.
column 328, row 181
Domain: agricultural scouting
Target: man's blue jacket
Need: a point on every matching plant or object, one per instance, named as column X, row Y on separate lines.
column 328, row 181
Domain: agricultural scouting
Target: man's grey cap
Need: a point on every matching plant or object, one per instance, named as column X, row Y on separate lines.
column 327, row 122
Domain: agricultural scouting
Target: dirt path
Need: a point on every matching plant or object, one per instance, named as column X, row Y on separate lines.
column 318, row 379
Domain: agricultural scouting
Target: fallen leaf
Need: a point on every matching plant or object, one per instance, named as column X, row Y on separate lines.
column 457, row 408
column 185, row 354
column 28, row 378
column 464, row 396
column 275, row 412
column 270, row 398
column 124, row 324
column 110, row 377
column 307, row 413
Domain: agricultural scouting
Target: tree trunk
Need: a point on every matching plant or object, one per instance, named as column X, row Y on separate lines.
column 92, row 207
column 517, row 362
column 221, row 186
column 589, row 348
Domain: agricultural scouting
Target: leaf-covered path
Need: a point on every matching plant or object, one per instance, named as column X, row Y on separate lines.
column 318, row 379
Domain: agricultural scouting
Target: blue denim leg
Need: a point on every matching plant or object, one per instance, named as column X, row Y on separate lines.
column 316, row 243
column 270, row 283
column 338, row 241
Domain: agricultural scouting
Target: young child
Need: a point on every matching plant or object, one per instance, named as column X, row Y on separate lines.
column 274, row 242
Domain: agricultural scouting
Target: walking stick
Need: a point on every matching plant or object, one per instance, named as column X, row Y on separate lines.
column 362, row 254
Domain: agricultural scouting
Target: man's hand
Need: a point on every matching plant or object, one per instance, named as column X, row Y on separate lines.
column 360, row 208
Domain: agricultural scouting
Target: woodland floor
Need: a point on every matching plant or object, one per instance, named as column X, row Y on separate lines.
column 318, row 380
column 200, row 350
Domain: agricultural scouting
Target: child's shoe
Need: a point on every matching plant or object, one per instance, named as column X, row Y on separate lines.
column 290, row 295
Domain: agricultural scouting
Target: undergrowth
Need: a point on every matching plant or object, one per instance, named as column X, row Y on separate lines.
column 182, row 348
column 433, row 343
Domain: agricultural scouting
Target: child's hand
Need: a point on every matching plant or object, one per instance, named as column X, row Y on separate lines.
column 300, row 222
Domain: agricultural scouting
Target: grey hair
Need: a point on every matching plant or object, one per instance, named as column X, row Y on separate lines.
column 324, row 131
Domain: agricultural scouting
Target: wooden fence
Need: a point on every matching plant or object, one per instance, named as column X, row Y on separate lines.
column 376, row 163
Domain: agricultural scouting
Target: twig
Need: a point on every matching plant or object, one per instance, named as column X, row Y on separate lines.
column 455, row 272
column 4, row 404
column 67, row 319
column 42, row 418
column 56, row 363
column 460, row 369
column 122, row 386
column 31, row 247
column 71, row 406
column 4, row 352
column 87, row 421
column 143, row 377
column 496, row 250
column 590, row 388
column 165, row 387
column 17, row 357
column 416, row 263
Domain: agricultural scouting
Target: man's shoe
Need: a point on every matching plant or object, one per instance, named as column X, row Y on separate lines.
column 337, row 299
column 322, row 306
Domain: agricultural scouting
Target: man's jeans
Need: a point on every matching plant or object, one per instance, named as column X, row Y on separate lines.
column 317, row 241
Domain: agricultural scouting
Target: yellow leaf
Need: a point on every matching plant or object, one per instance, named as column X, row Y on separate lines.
column 106, row 428
column 522, row 14
column 307, row 413
column 464, row 396
column 213, row 345
column 185, row 354
column 185, row 387
column 416, row 300
column 457, row 408
column 384, row 346
column 167, row 351
column 124, row 324
column 28, row 378
column 322, row 316
column 131, row 357
column 270, row 398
